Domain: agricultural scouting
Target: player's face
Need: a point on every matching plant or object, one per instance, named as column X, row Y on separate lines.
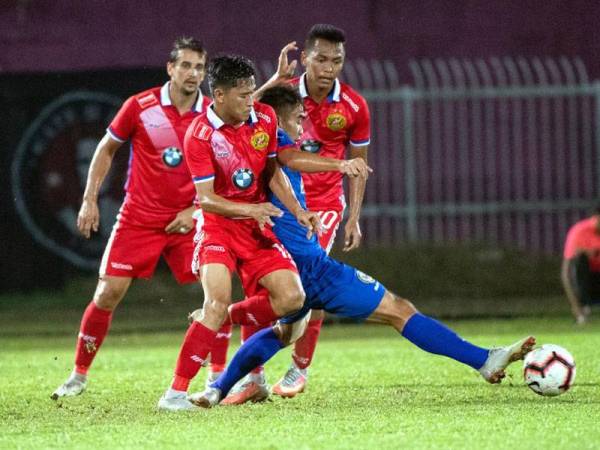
column 291, row 122
column 187, row 72
column 324, row 62
column 236, row 103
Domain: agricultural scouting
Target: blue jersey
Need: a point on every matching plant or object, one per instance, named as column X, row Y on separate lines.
column 291, row 234
column 329, row 284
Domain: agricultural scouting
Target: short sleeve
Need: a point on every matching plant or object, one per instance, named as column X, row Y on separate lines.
column 273, row 147
column 572, row 244
column 360, row 134
column 122, row 126
column 197, row 152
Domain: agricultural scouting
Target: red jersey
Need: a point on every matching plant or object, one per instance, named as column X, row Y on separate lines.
column 583, row 237
column 158, row 182
column 342, row 118
column 234, row 157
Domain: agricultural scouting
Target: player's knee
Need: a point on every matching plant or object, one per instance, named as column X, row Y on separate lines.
column 108, row 295
column 290, row 333
column 290, row 301
column 214, row 308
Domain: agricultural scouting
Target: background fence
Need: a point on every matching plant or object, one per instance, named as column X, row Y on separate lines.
column 503, row 151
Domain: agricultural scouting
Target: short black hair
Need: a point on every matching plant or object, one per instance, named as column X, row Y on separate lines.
column 226, row 71
column 281, row 98
column 324, row 31
column 185, row 43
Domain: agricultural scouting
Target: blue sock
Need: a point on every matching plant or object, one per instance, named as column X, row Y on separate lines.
column 254, row 352
column 430, row 335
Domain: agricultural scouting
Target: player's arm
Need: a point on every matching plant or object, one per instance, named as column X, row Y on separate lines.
column 282, row 189
column 88, row 218
column 570, row 290
column 310, row 162
column 356, row 193
column 214, row 203
column 183, row 221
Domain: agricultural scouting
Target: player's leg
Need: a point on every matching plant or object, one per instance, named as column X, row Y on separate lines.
column 256, row 351
column 294, row 380
column 432, row 336
column 94, row 327
column 201, row 334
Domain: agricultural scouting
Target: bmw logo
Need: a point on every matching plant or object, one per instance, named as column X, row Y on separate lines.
column 172, row 156
column 243, row 178
column 310, row 145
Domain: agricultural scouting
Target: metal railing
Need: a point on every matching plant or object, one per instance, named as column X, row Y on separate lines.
column 503, row 151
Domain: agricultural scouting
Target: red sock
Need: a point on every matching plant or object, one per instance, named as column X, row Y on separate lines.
column 194, row 351
column 94, row 328
column 255, row 310
column 247, row 331
column 305, row 346
column 218, row 354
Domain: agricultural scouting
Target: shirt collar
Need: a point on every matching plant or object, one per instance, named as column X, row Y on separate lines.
column 217, row 122
column 165, row 99
column 333, row 96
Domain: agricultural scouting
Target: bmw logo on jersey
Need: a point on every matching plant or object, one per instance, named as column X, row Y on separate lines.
column 172, row 156
column 242, row 178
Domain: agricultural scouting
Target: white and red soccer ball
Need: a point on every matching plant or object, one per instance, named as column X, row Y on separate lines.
column 549, row 370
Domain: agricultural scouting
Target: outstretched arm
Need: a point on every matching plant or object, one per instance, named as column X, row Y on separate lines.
column 309, row 162
column 88, row 218
column 285, row 70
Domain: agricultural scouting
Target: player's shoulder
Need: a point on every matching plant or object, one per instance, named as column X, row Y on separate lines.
column 283, row 139
column 265, row 113
column 199, row 129
column 145, row 99
column 352, row 97
column 583, row 226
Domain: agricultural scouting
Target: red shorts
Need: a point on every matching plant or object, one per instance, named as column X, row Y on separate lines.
column 133, row 251
column 240, row 245
column 330, row 221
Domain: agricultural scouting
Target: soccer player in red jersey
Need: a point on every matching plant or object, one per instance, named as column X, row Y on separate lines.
column 156, row 214
column 337, row 120
column 581, row 266
column 231, row 153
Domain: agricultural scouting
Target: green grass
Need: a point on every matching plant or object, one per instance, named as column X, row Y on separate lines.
column 369, row 388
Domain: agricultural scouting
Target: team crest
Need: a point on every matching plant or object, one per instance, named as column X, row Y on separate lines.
column 364, row 277
column 242, row 178
column 259, row 140
column 336, row 121
column 172, row 156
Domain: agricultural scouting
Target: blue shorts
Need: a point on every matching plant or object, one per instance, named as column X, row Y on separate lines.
column 336, row 288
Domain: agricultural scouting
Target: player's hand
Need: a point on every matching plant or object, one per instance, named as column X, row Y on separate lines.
column 88, row 218
column 311, row 221
column 356, row 167
column 352, row 235
column 285, row 69
column 182, row 223
column 262, row 213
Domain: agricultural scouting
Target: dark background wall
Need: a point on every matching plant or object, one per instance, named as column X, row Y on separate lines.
column 55, row 35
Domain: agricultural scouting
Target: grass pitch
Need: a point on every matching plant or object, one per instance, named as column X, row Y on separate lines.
column 369, row 388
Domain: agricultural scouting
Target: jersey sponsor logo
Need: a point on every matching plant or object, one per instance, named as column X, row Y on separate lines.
column 263, row 116
column 215, row 248
column 242, row 178
column 310, row 145
column 49, row 173
column 172, row 156
column 336, row 121
column 121, row 266
column 353, row 105
column 259, row 140
column 203, row 132
column 147, row 100
column 367, row 279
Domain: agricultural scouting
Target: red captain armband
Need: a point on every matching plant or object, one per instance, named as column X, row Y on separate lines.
column 202, row 132
column 146, row 100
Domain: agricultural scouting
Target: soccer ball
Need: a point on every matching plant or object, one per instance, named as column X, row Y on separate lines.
column 549, row 370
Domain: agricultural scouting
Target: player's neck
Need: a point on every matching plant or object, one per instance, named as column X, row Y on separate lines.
column 316, row 92
column 181, row 101
column 225, row 117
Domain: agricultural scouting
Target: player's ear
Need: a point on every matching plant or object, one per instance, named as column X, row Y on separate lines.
column 303, row 57
column 170, row 68
column 218, row 94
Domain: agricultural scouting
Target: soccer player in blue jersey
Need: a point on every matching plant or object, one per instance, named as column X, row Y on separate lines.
column 339, row 289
